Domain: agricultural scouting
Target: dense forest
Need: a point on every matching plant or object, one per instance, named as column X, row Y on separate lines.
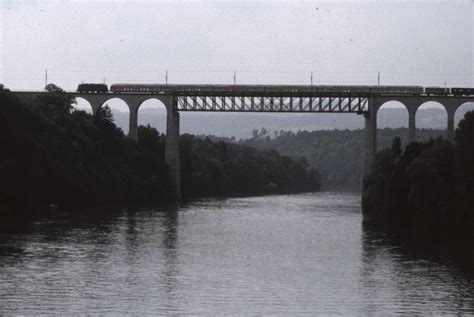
column 426, row 189
column 53, row 155
column 337, row 154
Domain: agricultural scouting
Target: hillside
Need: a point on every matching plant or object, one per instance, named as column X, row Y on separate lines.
column 54, row 156
column 425, row 189
column 337, row 154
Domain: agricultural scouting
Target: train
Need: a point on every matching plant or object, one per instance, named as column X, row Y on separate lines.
column 462, row 91
column 438, row 91
column 270, row 89
column 274, row 89
column 92, row 88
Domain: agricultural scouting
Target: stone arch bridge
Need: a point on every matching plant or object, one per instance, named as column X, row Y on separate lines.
column 246, row 99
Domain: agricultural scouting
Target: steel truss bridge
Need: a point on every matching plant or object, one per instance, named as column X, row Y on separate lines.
column 341, row 104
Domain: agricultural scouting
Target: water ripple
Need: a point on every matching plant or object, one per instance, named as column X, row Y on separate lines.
column 274, row 255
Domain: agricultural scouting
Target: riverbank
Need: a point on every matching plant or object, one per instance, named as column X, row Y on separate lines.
column 338, row 154
column 426, row 190
column 56, row 158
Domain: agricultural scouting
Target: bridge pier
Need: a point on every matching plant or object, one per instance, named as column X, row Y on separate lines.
column 95, row 107
column 451, row 126
column 411, row 124
column 172, row 157
column 370, row 136
column 133, row 122
column 451, row 108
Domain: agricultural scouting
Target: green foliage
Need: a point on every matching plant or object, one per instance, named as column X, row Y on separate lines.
column 396, row 147
column 427, row 189
column 53, row 155
column 55, row 99
column 218, row 168
column 337, row 154
column 104, row 115
column 464, row 135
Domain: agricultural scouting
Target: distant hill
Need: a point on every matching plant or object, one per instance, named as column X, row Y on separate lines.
column 337, row 154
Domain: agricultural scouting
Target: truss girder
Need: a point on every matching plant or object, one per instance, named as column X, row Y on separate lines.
column 272, row 104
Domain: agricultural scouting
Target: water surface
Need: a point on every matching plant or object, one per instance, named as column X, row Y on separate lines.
column 297, row 254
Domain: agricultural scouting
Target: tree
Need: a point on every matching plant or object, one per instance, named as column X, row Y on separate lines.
column 464, row 134
column 104, row 114
column 52, row 88
column 56, row 98
column 396, row 147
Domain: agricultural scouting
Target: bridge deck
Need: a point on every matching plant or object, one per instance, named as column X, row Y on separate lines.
column 275, row 98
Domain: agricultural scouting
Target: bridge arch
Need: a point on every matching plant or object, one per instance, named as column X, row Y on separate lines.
column 120, row 110
column 461, row 110
column 395, row 115
column 433, row 115
column 153, row 111
column 113, row 99
column 82, row 104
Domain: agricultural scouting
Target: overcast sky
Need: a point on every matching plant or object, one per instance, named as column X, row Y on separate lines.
column 409, row 42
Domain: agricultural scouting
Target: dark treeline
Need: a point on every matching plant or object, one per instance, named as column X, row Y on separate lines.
column 337, row 154
column 220, row 168
column 54, row 155
column 427, row 189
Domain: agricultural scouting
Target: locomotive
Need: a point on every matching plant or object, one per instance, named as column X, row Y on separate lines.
column 88, row 88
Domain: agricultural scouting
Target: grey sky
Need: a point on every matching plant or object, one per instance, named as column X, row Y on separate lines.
column 409, row 42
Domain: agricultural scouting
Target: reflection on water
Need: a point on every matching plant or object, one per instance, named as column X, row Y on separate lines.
column 427, row 278
column 263, row 255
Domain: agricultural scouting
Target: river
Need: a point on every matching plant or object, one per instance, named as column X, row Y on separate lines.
column 278, row 255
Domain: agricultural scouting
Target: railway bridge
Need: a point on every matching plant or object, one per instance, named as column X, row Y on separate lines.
column 278, row 99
